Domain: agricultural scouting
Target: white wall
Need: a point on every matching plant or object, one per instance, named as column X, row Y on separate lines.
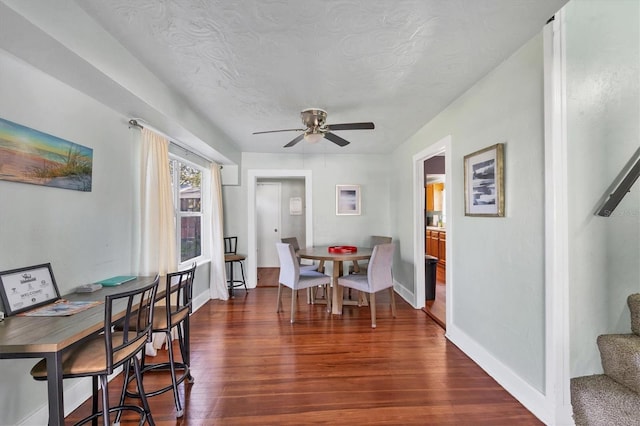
column 603, row 133
column 85, row 235
column 497, row 264
column 369, row 171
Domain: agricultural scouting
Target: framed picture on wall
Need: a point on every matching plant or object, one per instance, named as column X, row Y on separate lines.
column 295, row 206
column 347, row 200
column 484, row 182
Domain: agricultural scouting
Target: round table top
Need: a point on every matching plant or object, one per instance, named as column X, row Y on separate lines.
column 322, row 253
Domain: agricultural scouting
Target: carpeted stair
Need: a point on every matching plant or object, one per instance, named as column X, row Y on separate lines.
column 612, row 398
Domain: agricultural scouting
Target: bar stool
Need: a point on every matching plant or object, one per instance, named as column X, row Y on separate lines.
column 100, row 354
column 231, row 257
column 171, row 312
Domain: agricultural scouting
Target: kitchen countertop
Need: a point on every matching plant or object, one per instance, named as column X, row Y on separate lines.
column 436, row 228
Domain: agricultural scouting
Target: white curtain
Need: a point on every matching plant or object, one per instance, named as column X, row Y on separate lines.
column 157, row 222
column 218, row 284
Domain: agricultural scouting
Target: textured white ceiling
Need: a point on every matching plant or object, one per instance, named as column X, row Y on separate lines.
column 253, row 65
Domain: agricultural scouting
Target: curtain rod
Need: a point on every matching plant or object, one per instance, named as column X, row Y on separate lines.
column 133, row 122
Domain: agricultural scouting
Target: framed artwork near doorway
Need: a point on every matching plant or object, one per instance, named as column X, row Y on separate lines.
column 347, row 200
column 484, row 182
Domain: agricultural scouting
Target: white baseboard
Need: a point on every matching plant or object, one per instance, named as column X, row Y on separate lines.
column 534, row 400
column 200, row 300
column 408, row 296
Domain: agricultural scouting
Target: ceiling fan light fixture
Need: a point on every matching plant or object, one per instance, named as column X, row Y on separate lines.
column 316, row 128
column 313, row 137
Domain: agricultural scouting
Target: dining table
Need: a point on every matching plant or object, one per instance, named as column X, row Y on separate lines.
column 337, row 256
column 48, row 337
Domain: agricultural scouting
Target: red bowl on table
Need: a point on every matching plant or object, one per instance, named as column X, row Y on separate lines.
column 342, row 249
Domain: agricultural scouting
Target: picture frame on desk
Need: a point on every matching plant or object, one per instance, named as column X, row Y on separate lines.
column 26, row 288
column 347, row 200
column 484, row 182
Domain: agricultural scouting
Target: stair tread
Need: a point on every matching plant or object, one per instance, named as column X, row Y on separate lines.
column 620, row 356
column 598, row 400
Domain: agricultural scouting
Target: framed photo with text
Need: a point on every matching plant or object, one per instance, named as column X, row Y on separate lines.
column 347, row 200
column 27, row 288
column 484, row 182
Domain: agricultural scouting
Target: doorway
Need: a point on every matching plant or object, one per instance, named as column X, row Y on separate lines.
column 253, row 177
column 435, row 238
column 424, row 222
column 268, row 225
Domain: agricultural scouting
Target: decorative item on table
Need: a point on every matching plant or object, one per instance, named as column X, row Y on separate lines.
column 342, row 249
column 88, row 288
column 117, row 280
column 27, row 288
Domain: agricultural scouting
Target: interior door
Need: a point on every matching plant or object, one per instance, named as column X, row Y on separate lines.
column 268, row 195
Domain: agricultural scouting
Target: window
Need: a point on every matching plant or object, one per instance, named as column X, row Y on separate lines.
column 186, row 182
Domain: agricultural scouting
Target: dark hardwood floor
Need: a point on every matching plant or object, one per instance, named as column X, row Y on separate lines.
column 437, row 308
column 252, row 367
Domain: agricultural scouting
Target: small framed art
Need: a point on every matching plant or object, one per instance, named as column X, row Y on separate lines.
column 347, row 200
column 484, row 182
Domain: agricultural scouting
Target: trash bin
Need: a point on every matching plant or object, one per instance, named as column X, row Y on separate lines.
column 430, row 263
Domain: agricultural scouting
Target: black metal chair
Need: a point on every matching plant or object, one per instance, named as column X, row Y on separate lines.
column 172, row 312
column 231, row 258
column 117, row 345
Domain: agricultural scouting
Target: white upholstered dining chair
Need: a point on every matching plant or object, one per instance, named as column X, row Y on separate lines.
column 296, row 279
column 360, row 267
column 296, row 246
column 377, row 278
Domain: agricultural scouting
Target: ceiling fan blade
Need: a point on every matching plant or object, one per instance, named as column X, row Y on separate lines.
column 275, row 131
column 336, row 139
column 351, row 126
column 295, row 141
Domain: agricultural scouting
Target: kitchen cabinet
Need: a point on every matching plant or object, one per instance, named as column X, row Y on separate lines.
column 436, row 245
column 433, row 194
column 442, row 257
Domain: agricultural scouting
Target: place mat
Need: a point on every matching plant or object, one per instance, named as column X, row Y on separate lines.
column 61, row 308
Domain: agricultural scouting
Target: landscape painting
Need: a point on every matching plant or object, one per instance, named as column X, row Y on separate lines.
column 30, row 156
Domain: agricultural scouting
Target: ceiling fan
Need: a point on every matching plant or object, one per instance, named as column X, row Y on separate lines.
column 317, row 128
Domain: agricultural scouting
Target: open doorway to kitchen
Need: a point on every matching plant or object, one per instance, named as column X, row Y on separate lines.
column 433, row 230
column 435, row 213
